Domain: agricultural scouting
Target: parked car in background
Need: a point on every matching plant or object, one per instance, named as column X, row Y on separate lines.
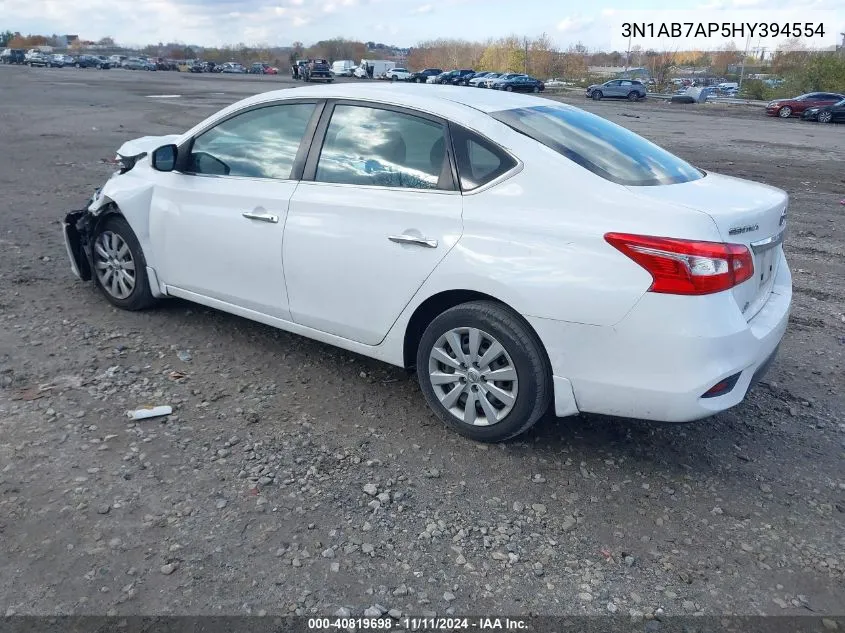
column 116, row 61
column 13, row 56
column 59, row 60
column 424, row 75
column 785, row 108
column 523, row 83
column 490, row 82
column 478, row 78
column 105, row 62
column 398, row 74
column 88, row 61
column 232, row 68
column 460, row 77
column 834, row 113
column 136, row 63
column 667, row 301
column 629, row 89
column 164, row 64
column 557, row 83
column 37, row 58
column 256, row 68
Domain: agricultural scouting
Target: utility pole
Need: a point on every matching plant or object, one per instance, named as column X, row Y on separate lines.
column 628, row 56
column 742, row 72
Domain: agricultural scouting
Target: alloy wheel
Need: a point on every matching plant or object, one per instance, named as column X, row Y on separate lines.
column 114, row 265
column 473, row 376
column 825, row 117
column 785, row 112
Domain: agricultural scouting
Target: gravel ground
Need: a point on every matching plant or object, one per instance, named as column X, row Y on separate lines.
column 294, row 478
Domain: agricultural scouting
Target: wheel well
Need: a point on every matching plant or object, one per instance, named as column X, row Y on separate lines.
column 435, row 305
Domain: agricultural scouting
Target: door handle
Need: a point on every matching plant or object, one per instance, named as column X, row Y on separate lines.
column 413, row 239
column 262, row 217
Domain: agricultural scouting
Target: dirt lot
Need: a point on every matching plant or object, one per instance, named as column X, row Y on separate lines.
column 251, row 497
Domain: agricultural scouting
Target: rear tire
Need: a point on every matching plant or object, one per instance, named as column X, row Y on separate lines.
column 633, row 96
column 120, row 268
column 494, row 341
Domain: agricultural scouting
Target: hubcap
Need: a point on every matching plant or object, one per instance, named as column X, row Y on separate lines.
column 114, row 265
column 473, row 376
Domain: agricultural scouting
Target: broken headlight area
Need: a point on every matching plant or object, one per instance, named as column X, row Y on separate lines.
column 128, row 162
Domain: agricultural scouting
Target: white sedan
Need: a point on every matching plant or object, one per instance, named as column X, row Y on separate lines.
column 522, row 255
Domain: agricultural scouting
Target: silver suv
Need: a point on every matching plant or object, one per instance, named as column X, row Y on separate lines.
column 629, row 89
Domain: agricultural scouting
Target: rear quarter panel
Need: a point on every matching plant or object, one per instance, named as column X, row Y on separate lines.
column 536, row 240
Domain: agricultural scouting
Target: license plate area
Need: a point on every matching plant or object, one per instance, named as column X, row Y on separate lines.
column 765, row 267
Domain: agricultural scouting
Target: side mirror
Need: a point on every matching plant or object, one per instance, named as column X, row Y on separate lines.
column 164, row 158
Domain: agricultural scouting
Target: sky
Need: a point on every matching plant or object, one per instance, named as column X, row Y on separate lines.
column 596, row 24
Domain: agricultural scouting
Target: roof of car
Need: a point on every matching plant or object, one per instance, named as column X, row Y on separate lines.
column 430, row 98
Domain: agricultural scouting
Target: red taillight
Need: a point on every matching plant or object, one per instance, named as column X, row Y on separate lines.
column 686, row 267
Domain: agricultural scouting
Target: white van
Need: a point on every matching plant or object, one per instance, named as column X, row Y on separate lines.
column 343, row 68
column 727, row 85
column 374, row 68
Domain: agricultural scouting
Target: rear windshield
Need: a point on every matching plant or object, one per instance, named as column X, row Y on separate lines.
column 604, row 148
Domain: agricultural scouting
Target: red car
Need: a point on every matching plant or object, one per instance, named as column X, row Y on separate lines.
column 785, row 108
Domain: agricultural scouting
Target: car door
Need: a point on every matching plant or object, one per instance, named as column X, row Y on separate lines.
column 812, row 100
column 612, row 89
column 838, row 112
column 376, row 211
column 217, row 221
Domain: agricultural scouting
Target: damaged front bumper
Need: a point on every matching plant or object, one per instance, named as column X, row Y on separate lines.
column 77, row 229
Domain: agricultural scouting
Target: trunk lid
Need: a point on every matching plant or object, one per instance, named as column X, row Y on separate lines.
column 745, row 213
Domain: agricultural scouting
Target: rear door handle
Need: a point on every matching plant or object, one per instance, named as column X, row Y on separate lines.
column 413, row 239
column 261, row 217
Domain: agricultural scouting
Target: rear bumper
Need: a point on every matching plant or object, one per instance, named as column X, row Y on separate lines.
column 668, row 351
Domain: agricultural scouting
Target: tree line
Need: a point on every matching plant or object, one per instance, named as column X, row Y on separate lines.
column 802, row 70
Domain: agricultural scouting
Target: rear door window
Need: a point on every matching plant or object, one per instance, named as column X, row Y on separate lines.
column 479, row 161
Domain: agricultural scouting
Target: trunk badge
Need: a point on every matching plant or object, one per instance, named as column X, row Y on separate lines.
column 738, row 230
column 782, row 218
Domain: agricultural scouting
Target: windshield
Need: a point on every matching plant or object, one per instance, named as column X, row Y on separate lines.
column 604, row 148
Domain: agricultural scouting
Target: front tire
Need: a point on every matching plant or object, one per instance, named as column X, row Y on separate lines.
column 785, row 112
column 825, row 117
column 509, row 88
column 483, row 371
column 120, row 268
column 597, row 95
